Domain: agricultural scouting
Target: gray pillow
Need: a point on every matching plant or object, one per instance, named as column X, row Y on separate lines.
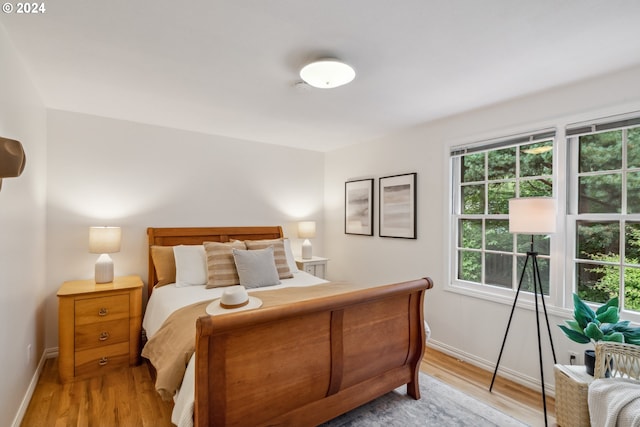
column 256, row 268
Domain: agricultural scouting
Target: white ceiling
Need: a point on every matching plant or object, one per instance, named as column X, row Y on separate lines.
column 231, row 67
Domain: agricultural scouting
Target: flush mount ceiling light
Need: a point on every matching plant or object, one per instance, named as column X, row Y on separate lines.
column 327, row 73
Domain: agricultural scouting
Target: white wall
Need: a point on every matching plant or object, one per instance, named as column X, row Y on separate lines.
column 112, row 172
column 22, row 220
column 468, row 327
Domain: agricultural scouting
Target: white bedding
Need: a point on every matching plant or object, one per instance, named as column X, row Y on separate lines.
column 169, row 298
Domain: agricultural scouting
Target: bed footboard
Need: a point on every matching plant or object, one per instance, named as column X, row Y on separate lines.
column 308, row 362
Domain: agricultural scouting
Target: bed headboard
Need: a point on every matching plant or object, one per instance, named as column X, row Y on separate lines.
column 197, row 235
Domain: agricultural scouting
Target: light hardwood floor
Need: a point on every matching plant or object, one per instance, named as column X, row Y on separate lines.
column 127, row 397
column 511, row 398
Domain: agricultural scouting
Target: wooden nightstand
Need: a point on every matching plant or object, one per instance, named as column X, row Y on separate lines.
column 98, row 326
column 316, row 266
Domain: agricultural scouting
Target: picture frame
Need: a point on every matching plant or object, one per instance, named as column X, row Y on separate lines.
column 397, row 210
column 358, row 207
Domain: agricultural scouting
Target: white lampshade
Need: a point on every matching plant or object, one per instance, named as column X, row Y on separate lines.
column 327, row 73
column 307, row 229
column 532, row 215
column 104, row 240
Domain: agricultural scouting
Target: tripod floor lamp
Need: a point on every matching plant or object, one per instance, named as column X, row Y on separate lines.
column 533, row 215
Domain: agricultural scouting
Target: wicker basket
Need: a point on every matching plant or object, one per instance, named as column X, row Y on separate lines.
column 572, row 387
column 615, row 359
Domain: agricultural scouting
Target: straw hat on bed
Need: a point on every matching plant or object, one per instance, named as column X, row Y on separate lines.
column 234, row 298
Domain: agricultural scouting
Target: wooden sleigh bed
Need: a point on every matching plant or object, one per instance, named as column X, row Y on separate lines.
column 306, row 362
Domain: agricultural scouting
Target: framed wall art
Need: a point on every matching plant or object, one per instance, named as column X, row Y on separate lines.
column 398, row 206
column 358, row 207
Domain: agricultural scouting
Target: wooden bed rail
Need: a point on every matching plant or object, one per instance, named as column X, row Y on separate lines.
column 307, row 362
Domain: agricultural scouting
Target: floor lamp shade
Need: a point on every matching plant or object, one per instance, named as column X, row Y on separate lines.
column 306, row 230
column 104, row 241
column 532, row 215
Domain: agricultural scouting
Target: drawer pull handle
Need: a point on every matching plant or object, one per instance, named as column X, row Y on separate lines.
column 103, row 312
column 104, row 336
column 103, row 361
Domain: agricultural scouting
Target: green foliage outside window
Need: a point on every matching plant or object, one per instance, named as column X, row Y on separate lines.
column 604, row 282
column 603, row 163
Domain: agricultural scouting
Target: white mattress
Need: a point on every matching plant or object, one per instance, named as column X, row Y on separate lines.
column 169, row 298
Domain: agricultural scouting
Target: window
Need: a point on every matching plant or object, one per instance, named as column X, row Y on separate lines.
column 597, row 249
column 604, row 211
column 485, row 177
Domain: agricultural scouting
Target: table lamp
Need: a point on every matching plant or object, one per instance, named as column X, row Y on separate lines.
column 104, row 241
column 306, row 230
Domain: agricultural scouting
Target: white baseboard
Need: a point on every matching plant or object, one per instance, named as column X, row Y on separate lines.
column 48, row 354
column 515, row 376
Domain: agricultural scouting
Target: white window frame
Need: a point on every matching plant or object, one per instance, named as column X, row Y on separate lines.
column 486, row 291
column 573, row 132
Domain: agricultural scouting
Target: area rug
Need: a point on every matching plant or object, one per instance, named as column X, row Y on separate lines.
column 440, row 405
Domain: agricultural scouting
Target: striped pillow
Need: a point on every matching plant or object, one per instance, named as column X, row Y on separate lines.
column 278, row 254
column 221, row 266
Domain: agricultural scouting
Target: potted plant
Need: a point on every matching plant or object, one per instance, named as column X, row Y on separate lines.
column 601, row 325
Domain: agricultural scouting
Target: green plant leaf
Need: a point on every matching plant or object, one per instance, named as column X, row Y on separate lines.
column 610, row 315
column 576, row 336
column 582, row 312
column 615, row 336
column 631, row 333
column 574, row 325
column 613, row 302
column 593, row 331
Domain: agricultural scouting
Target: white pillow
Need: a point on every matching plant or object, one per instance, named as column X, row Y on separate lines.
column 256, row 268
column 191, row 265
column 291, row 260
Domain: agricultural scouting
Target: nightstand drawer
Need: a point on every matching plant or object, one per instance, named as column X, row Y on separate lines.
column 103, row 309
column 102, row 358
column 101, row 334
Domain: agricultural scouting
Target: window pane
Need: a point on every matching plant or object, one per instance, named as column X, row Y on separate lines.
column 598, row 241
column 536, row 188
column 473, row 199
column 600, row 152
column 470, row 233
column 536, row 159
column 588, row 282
column 632, row 288
column 499, row 195
column 541, row 244
column 498, row 270
column 633, row 192
column 498, row 237
column 633, row 148
column 470, row 266
column 502, row 163
column 527, row 279
column 600, row 194
column 473, row 167
column 632, row 243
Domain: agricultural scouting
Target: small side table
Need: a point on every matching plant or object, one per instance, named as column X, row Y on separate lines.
column 315, row 265
column 98, row 326
column 572, row 387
